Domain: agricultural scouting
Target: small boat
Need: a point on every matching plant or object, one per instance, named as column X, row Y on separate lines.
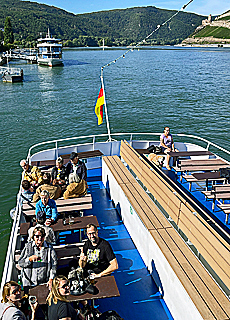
column 49, row 51
column 11, row 74
column 3, row 61
column 172, row 251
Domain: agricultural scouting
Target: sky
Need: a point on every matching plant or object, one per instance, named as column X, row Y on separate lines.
column 202, row 7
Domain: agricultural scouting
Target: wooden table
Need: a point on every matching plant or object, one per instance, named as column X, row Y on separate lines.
column 179, row 154
column 199, row 176
column 106, row 287
column 143, row 151
column 69, row 251
column 79, row 223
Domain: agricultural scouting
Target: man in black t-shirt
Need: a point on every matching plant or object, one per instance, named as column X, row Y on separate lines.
column 97, row 254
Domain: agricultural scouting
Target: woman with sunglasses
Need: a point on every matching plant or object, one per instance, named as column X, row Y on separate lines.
column 38, row 261
column 59, row 308
column 9, row 307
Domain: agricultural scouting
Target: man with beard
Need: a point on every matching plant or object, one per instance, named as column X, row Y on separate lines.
column 97, row 256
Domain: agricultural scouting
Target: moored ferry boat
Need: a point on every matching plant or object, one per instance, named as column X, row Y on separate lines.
column 173, row 250
column 49, row 51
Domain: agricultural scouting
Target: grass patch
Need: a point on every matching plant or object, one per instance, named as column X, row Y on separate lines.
column 225, row 18
column 216, row 32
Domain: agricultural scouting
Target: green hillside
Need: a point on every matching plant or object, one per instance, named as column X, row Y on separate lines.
column 118, row 27
column 216, row 32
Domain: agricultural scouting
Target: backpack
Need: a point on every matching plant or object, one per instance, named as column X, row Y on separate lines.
column 154, row 149
column 110, row 315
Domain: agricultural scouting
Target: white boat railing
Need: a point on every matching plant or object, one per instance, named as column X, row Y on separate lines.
column 7, row 70
column 93, row 140
column 10, row 255
column 129, row 137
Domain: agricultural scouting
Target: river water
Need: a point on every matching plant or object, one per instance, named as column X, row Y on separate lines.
column 187, row 89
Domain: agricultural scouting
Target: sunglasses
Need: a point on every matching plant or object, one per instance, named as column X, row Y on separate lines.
column 91, row 234
column 38, row 236
column 16, row 290
column 64, row 286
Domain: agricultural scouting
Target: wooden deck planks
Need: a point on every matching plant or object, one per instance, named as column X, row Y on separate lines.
column 214, row 249
column 211, row 249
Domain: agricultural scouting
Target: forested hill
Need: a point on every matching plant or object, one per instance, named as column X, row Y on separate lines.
column 125, row 26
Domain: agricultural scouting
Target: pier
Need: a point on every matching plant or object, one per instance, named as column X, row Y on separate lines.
column 11, row 74
column 29, row 57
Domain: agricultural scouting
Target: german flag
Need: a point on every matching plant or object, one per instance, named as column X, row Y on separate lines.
column 99, row 106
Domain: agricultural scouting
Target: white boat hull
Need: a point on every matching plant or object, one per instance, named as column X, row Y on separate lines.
column 50, row 62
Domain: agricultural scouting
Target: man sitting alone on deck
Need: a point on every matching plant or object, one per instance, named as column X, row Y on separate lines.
column 46, row 208
column 76, row 166
column 167, row 144
column 97, row 256
column 31, row 173
column 54, row 191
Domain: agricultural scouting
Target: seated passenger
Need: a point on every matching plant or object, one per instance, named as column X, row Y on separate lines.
column 58, row 305
column 76, row 166
column 9, row 306
column 27, row 191
column 59, row 174
column 38, row 261
column 97, row 256
column 54, row 191
column 31, row 173
column 167, row 144
column 49, row 237
column 46, row 209
column 76, row 188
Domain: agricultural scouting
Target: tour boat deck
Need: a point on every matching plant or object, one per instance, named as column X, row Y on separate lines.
column 139, row 295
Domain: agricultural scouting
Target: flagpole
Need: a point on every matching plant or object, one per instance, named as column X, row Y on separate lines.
column 106, row 112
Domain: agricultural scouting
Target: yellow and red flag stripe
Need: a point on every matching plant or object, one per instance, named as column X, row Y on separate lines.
column 99, row 106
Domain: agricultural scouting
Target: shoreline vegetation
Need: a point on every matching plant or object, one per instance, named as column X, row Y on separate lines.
column 23, row 22
column 119, row 28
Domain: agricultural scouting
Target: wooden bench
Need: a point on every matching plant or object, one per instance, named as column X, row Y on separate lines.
column 63, row 205
column 208, row 162
column 60, row 202
column 201, row 165
column 226, row 209
column 81, row 155
column 64, row 209
column 218, row 192
column 204, row 292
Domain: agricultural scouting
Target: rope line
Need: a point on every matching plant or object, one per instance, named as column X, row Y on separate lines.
column 123, row 56
column 148, row 36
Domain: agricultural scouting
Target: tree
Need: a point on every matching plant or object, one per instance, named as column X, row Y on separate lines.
column 8, row 32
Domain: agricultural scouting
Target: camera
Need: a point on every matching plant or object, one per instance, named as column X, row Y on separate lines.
column 32, row 299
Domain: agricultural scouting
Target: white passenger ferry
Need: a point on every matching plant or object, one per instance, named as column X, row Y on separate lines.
column 49, row 51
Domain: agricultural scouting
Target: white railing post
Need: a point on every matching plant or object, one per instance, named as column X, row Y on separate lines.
column 94, row 142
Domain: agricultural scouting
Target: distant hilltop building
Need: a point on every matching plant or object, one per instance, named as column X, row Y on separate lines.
column 206, row 37
column 217, row 22
column 208, row 21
